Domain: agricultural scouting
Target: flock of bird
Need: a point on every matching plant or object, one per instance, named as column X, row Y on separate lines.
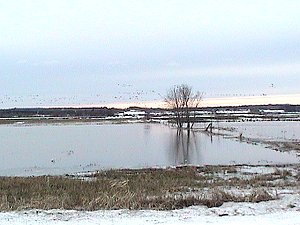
column 123, row 93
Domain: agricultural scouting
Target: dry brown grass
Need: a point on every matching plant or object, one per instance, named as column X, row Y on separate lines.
column 134, row 189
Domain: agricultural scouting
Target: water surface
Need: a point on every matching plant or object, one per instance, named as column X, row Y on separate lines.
column 59, row 149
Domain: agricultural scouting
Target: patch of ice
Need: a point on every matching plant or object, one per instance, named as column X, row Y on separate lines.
column 257, row 170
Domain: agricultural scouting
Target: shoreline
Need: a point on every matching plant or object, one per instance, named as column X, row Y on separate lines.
column 152, row 188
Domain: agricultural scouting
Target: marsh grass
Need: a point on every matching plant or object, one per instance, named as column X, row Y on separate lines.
column 158, row 189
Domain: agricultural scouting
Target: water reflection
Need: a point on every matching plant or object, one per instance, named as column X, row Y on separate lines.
column 185, row 147
column 60, row 149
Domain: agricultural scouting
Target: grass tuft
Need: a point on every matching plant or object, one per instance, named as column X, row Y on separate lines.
column 159, row 189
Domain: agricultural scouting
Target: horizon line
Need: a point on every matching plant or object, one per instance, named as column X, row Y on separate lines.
column 291, row 99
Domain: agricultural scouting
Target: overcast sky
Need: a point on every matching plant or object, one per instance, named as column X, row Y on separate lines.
column 68, row 52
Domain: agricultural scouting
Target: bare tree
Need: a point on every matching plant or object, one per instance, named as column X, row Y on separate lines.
column 184, row 102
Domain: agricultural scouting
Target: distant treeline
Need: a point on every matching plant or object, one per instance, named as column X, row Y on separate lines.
column 258, row 108
column 58, row 112
column 104, row 111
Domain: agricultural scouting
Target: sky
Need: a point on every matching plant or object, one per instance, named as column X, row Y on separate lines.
column 94, row 52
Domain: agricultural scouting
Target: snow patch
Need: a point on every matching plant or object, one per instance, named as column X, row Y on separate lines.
column 283, row 211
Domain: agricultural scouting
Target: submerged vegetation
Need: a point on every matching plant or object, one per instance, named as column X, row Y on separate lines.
column 158, row 189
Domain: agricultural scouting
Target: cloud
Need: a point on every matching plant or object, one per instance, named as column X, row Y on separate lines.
column 49, row 62
column 173, row 64
column 22, row 61
column 238, row 70
column 38, row 63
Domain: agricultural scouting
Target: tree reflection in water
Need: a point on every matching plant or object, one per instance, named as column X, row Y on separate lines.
column 185, row 147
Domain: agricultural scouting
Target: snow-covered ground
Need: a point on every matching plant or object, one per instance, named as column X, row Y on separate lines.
column 285, row 211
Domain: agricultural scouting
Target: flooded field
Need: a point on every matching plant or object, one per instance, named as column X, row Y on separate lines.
column 269, row 130
column 59, row 149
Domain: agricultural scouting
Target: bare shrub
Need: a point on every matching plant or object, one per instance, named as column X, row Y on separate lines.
column 259, row 196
